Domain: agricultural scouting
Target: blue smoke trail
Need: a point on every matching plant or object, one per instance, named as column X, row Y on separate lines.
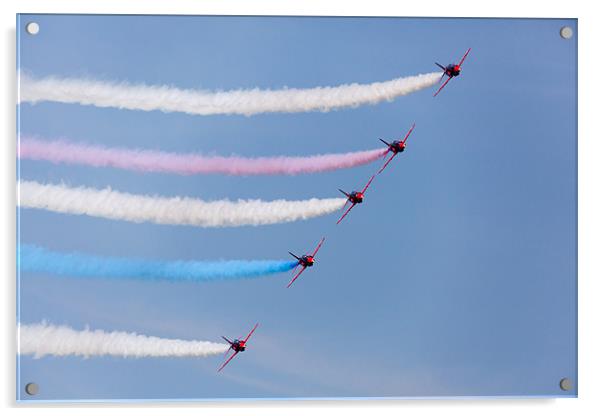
column 33, row 258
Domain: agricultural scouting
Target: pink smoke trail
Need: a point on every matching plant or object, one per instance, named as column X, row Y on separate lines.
column 62, row 151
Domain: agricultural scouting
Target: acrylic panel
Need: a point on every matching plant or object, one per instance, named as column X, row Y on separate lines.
column 229, row 207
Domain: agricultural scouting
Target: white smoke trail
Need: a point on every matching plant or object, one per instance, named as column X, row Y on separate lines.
column 106, row 203
column 201, row 102
column 44, row 339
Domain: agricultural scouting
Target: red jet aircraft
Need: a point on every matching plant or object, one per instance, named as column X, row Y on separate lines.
column 305, row 261
column 236, row 346
column 452, row 70
column 355, row 197
column 396, row 147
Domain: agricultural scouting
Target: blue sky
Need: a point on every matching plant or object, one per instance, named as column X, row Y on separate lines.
column 457, row 276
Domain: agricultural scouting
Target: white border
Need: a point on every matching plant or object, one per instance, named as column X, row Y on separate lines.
column 590, row 201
